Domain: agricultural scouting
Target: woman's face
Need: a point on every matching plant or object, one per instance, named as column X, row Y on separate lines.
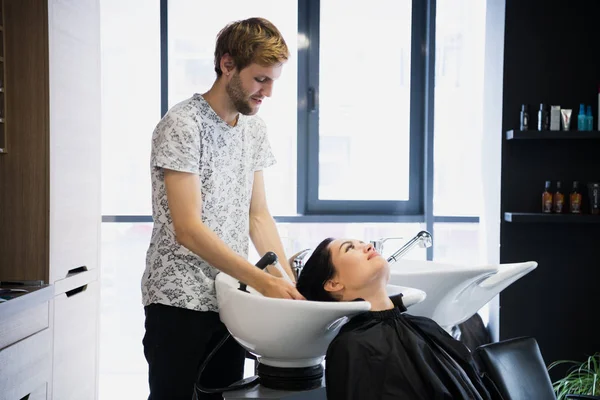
column 358, row 267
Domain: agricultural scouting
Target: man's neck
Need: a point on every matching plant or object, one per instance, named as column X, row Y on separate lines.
column 219, row 101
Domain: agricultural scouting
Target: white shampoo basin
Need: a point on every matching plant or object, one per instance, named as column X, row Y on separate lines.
column 288, row 333
column 455, row 292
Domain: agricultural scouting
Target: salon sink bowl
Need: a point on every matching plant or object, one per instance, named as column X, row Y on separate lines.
column 289, row 333
column 455, row 292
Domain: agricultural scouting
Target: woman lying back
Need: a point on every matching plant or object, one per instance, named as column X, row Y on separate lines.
column 384, row 353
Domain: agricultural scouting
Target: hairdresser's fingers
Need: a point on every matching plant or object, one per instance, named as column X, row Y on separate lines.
column 296, row 294
column 293, row 292
column 279, row 288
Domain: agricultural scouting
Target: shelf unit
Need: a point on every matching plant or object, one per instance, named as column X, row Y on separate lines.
column 3, row 130
column 540, row 135
column 521, row 217
column 552, row 218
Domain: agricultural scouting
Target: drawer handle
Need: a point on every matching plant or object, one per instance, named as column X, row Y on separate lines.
column 76, row 271
column 73, row 292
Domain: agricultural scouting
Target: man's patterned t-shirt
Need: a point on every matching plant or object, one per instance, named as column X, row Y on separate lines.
column 192, row 138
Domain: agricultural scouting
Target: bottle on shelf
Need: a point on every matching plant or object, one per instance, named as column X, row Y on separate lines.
column 575, row 199
column 547, row 198
column 581, row 119
column 543, row 118
column 559, row 199
column 589, row 119
column 524, row 124
column 594, row 194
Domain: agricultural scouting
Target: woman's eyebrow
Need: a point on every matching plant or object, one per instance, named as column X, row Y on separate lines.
column 346, row 242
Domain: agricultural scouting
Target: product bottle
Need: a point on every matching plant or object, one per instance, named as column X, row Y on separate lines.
column 524, row 125
column 581, row 119
column 589, row 119
column 575, row 199
column 543, row 118
column 547, row 199
column 559, row 199
column 594, row 194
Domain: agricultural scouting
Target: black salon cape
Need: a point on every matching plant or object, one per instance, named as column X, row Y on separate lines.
column 393, row 355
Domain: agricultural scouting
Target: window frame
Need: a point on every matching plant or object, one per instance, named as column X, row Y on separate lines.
column 308, row 202
column 419, row 208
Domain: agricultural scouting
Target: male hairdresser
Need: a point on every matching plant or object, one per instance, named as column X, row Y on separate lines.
column 208, row 199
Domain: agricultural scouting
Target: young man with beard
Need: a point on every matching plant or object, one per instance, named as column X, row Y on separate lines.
column 208, row 199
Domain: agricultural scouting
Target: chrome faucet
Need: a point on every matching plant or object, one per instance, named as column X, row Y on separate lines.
column 423, row 239
column 298, row 261
column 378, row 244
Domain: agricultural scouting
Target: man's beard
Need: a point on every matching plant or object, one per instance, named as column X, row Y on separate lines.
column 238, row 96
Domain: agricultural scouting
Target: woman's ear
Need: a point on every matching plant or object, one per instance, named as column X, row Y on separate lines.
column 333, row 285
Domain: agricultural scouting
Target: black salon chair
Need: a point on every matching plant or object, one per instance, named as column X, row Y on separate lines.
column 515, row 370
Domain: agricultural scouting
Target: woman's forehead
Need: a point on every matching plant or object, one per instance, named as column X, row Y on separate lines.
column 334, row 246
column 338, row 244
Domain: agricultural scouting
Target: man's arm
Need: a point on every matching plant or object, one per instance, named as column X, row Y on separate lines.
column 185, row 204
column 263, row 230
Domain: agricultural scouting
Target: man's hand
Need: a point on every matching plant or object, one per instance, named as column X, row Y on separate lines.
column 281, row 288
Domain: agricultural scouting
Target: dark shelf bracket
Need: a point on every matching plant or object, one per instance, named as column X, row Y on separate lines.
column 519, row 217
column 542, row 135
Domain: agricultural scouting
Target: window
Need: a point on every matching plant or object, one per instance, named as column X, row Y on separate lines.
column 123, row 371
column 298, row 236
column 130, row 62
column 192, row 35
column 364, row 125
column 457, row 243
column 358, row 113
column 460, row 36
column 458, row 131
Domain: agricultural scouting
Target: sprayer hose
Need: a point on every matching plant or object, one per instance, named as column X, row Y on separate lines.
column 198, row 386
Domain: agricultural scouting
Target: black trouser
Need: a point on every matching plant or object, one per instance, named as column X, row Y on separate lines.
column 177, row 341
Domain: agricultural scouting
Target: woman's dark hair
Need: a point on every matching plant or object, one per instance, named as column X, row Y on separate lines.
column 316, row 272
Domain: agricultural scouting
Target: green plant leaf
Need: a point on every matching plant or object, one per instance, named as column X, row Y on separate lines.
column 581, row 377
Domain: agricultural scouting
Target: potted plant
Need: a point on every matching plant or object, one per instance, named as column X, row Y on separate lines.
column 581, row 379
